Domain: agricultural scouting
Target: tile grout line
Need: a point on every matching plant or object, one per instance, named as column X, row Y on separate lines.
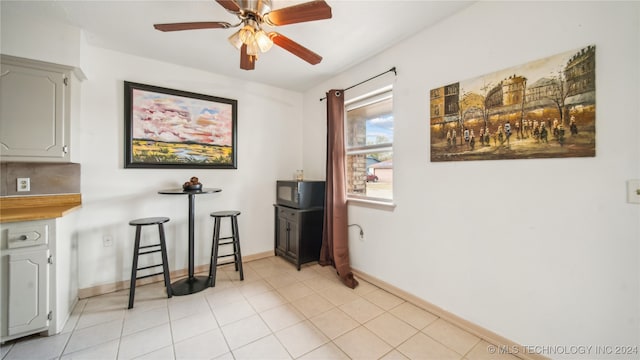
column 71, row 331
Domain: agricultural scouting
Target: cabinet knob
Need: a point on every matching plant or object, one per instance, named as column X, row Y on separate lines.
column 65, row 149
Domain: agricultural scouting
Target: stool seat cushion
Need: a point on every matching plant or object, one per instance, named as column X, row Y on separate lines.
column 149, row 221
column 225, row 213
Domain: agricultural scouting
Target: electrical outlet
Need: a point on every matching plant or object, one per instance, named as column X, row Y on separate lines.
column 633, row 191
column 24, row 184
column 107, row 240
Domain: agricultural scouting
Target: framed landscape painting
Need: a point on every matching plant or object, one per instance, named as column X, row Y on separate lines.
column 167, row 128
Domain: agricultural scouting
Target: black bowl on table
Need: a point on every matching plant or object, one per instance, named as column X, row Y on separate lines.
column 192, row 187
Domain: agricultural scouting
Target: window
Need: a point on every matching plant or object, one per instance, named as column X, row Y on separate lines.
column 369, row 146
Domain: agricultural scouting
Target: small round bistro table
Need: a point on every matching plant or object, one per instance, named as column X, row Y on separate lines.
column 192, row 284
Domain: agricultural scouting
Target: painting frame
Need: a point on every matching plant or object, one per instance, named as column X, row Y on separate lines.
column 171, row 129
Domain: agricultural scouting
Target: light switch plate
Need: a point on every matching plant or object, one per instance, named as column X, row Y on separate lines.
column 24, row 184
column 633, row 191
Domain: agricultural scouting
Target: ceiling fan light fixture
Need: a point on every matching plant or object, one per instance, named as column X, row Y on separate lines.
column 263, row 40
column 252, row 49
column 235, row 40
column 247, row 34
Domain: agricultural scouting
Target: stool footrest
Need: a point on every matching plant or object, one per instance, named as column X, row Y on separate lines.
column 227, row 263
column 148, row 252
column 148, row 267
column 146, row 276
column 148, row 246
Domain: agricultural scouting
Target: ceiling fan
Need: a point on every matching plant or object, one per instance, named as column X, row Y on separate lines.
column 251, row 38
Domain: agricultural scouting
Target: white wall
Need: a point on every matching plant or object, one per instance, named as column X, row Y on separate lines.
column 269, row 140
column 268, row 129
column 540, row 251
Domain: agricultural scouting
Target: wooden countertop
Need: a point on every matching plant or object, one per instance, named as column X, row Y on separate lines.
column 27, row 208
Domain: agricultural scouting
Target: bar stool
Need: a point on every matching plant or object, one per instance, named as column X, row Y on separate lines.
column 234, row 240
column 146, row 250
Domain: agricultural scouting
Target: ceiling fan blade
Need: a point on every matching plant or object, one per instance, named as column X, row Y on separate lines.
column 192, row 26
column 309, row 11
column 247, row 62
column 295, row 48
column 230, row 5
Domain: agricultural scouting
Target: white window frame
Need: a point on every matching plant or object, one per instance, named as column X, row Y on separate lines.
column 369, row 98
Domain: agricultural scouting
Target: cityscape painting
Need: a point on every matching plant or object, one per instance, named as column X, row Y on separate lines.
column 542, row 109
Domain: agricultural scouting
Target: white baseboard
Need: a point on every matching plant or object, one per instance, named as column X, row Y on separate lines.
column 124, row 284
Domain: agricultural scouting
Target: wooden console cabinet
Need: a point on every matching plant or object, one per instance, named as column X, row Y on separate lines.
column 298, row 234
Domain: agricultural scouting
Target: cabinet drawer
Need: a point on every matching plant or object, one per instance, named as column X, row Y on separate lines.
column 27, row 236
column 288, row 214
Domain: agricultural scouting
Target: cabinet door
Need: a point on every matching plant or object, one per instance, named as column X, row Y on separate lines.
column 32, row 113
column 282, row 234
column 28, row 291
column 294, row 240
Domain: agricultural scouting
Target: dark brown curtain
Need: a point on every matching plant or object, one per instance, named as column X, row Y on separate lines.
column 335, row 238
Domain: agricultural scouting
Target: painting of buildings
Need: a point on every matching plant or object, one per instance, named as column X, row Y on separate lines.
column 542, row 109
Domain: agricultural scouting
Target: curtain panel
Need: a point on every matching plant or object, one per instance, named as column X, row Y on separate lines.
column 335, row 237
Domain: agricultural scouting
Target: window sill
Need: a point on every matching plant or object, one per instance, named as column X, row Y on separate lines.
column 373, row 204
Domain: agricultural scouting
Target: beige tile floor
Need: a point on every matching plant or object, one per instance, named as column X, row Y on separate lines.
column 277, row 312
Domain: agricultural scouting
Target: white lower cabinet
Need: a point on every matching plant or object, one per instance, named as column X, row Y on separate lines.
column 28, row 292
column 26, row 278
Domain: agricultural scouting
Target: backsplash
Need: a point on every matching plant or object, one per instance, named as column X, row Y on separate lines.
column 45, row 178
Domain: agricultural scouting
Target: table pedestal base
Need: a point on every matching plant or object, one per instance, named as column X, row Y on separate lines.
column 190, row 285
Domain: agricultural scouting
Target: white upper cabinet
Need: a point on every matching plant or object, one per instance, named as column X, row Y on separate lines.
column 35, row 110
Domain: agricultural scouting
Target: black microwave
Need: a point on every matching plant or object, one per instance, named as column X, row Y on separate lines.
column 300, row 194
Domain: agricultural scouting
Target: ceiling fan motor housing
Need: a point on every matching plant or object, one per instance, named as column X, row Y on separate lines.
column 259, row 7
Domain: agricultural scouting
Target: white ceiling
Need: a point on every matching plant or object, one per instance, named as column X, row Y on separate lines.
column 358, row 30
